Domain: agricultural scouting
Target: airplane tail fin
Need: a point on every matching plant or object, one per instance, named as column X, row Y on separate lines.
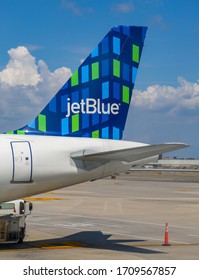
column 94, row 102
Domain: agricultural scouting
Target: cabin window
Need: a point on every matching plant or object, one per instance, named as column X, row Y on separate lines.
column 6, row 206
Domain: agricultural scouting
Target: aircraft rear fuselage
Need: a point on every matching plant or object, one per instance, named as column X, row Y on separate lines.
column 36, row 164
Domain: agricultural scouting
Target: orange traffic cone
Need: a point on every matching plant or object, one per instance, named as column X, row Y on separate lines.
column 166, row 238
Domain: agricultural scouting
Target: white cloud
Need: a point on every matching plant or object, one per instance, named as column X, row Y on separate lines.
column 21, row 69
column 25, row 87
column 74, row 8
column 124, row 7
column 157, row 97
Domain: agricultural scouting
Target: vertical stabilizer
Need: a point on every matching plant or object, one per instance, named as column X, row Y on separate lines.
column 94, row 102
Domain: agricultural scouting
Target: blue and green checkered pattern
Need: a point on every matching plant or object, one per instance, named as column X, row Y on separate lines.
column 108, row 74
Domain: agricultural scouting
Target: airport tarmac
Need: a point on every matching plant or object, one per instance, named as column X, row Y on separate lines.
column 122, row 218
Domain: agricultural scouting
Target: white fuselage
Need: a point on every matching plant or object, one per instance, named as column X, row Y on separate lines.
column 35, row 164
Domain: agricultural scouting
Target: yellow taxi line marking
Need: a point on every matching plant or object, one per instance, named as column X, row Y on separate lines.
column 48, row 246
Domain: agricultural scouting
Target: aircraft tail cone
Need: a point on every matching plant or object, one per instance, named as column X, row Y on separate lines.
column 166, row 238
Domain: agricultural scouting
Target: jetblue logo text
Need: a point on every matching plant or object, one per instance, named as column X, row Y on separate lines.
column 91, row 106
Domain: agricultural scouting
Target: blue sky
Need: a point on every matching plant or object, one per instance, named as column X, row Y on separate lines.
column 43, row 41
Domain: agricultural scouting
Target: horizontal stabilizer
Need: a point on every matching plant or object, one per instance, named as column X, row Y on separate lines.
column 127, row 155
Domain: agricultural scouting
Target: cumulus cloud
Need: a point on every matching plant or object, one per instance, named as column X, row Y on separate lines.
column 21, row 69
column 25, row 87
column 174, row 99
